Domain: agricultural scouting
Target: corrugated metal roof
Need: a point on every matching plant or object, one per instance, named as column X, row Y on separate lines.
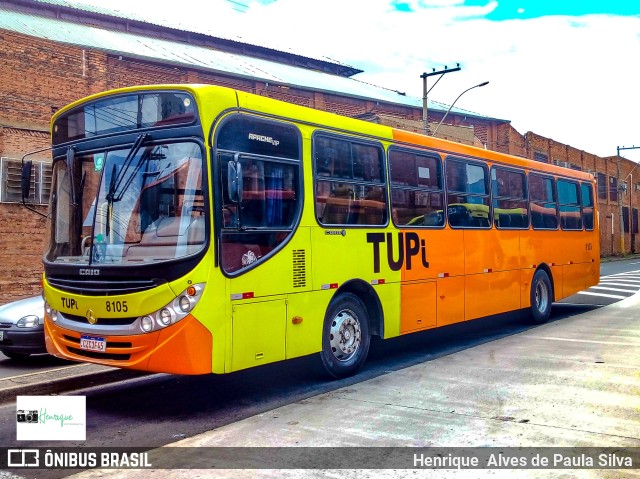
column 182, row 54
column 172, row 24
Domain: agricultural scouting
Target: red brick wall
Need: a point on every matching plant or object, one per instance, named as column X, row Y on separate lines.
column 21, row 245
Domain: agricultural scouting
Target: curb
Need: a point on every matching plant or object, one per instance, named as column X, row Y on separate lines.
column 61, row 380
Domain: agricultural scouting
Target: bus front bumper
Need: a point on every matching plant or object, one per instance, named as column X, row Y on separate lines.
column 182, row 348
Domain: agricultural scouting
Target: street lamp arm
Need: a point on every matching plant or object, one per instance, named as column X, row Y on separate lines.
column 454, row 102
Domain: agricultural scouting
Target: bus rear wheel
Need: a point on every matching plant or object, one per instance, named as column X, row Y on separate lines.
column 345, row 336
column 541, row 297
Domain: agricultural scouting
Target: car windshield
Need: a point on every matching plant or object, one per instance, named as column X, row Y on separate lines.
column 129, row 206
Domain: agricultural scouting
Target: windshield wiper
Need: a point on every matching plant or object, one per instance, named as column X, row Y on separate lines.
column 70, row 159
column 115, row 183
column 117, row 178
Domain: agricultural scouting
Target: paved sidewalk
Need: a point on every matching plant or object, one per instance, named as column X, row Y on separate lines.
column 572, row 382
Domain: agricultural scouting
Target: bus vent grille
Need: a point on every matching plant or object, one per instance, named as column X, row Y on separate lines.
column 299, row 268
column 106, row 287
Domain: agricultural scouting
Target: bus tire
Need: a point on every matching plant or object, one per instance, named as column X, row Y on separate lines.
column 345, row 336
column 541, row 297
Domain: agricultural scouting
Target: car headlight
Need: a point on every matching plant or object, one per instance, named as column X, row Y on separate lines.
column 173, row 312
column 31, row 321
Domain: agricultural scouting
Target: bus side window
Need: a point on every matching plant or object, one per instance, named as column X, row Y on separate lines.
column 349, row 179
column 416, row 188
column 587, row 206
column 510, row 205
column 467, row 194
column 542, row 202
column 569, row 205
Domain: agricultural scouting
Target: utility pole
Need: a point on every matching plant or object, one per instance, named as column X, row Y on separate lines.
column 425, row 91
column 620, row 190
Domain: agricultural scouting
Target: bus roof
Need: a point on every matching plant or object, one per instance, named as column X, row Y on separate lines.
column 319, row 118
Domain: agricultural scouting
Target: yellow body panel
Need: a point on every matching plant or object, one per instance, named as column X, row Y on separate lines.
column 258, row 333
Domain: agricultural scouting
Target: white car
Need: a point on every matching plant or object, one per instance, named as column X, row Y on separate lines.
column 22, row 328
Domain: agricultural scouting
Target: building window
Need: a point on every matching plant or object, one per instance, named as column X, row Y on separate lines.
column 625, row 218
column 602, row 186
column 541, row 157
column 11, row 182
column 613, row 188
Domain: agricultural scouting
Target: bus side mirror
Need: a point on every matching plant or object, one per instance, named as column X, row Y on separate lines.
column 234, row 181
column 27, row 166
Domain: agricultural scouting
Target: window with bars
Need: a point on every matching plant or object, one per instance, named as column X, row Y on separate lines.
column 11, row 181
column 541, row 157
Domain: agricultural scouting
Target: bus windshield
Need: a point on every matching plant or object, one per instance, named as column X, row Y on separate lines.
column 128, row 206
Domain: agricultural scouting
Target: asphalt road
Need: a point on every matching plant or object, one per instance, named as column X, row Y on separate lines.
column 161, row 409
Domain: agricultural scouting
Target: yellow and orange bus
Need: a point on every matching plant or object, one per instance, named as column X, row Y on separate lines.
column 197, row 229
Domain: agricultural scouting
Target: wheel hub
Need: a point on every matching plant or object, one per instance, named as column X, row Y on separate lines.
column 345, row 335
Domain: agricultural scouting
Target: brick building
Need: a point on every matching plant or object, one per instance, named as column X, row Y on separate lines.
column 53, row 53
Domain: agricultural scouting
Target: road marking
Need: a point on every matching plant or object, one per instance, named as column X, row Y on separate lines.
column 41, row 372
column 613, row 296
column 615, row 289
column 628, row 282
column 582, row 341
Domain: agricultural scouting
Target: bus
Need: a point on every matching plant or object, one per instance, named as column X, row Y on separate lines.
column 198, row 229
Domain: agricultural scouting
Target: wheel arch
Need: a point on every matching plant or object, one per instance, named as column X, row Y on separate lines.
column 547, row 269
column 365, row 293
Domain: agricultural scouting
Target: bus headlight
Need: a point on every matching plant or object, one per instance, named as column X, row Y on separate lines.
column 146, row 323
column 185, row 304
column 173, row 312
column 49, row 311
column 165, row 316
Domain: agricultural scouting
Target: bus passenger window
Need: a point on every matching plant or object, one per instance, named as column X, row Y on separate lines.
column 349, row 182
column 416, row 189
column 510, row 205
column 542, row 203
column 467, row 195
column 569, row 203
column 587, row 206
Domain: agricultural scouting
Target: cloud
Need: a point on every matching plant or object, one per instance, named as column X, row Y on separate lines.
column 569, row 78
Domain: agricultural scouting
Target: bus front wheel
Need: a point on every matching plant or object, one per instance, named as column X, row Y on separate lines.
column 541, row 297
column 345, row 336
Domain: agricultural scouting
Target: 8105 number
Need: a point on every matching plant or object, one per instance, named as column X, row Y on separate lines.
column 117, row 306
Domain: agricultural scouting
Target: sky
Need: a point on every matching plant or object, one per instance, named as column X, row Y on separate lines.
column 563, row 69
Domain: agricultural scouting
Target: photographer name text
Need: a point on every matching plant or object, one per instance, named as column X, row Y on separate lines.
column 511, row 461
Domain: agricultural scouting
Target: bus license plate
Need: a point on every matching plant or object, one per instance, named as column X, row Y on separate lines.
column 91, row 343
